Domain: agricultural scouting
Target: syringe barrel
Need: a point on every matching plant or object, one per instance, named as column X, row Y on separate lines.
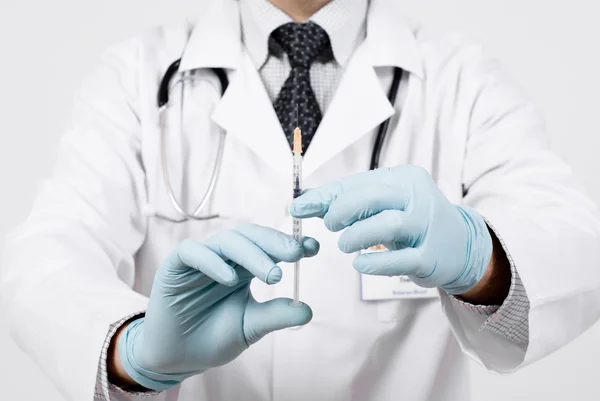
column 297, row 223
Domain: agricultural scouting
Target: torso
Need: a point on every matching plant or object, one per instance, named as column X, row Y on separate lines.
column 352, row 350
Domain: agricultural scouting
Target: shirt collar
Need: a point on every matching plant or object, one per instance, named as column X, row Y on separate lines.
column 343, row 20
column 390, row 38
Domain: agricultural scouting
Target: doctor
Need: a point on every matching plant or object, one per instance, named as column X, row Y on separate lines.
column 492, row 247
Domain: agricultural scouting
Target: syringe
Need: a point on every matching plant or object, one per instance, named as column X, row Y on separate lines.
column 297, row 223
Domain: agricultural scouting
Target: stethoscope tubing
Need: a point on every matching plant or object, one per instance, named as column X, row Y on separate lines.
column 384, row 127
column 163, row 101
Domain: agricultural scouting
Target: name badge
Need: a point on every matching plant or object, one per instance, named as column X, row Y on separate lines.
column 381, row 288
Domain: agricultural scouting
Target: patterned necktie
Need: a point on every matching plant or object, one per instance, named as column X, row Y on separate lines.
column 303, row 43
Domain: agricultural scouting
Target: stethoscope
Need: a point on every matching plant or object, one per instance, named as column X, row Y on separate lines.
column 163, row 101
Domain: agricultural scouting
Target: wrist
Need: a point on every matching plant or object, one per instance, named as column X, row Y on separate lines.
column 130, row 344
column 495, row 284
column 115, row 370
column 478, row 253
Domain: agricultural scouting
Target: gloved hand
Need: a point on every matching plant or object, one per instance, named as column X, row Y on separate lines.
column 430, row 240
column 201, row 313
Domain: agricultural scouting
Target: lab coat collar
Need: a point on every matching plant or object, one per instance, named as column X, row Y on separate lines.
column 391, row 39
column 359, row 105
column 246, row 113
column 215, row 41
column 216, row 38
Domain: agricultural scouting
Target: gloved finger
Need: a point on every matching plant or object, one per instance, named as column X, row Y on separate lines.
column 316, row 201
column 192, row 254
column 362, row 203
column 387, row 227
column 405, row 262
column 311, row 247
column 277, row 314
column 232, row 245
column 279, row 246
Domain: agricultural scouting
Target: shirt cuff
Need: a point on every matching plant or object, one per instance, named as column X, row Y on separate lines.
column 106, row 391
column 511, row 319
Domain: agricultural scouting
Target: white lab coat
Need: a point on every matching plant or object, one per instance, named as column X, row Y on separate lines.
column 69, row 270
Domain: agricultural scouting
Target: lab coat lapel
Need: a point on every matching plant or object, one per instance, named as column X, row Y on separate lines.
column 246, row 113
column 359, row 105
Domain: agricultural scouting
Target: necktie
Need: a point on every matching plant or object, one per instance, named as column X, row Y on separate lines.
column 303, row 43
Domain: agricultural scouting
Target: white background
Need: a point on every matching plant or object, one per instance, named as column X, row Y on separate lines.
column 550, row 46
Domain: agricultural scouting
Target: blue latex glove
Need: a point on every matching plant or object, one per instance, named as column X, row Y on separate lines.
column 201, row 313
column 430, row 240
